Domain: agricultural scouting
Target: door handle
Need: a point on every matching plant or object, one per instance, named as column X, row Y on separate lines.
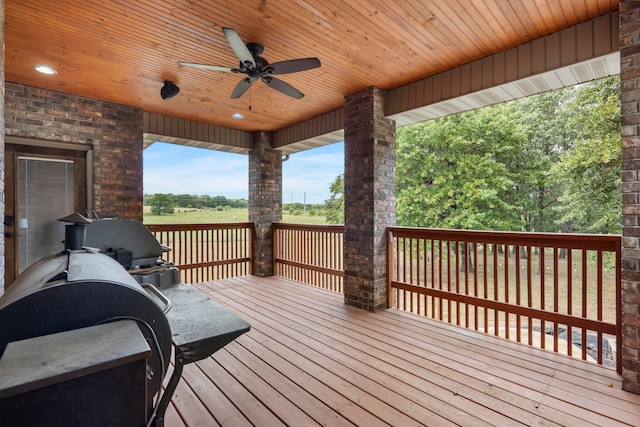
column 8, row 234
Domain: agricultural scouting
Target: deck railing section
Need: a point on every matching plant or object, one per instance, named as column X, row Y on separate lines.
column 207, row 251
column 556, row 291
column 309, row 254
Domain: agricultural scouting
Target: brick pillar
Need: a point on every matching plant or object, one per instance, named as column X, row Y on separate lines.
column 265, row 200
column 630, row 112
column 370, row 201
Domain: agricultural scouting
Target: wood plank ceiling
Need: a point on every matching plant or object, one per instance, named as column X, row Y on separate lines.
column 122, row 50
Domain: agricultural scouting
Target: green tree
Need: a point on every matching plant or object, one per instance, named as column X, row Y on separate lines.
column 161, row 203
column 592, row 196
column 549, row 162
column 543, row 120
column 334, row 205
column 455, row 172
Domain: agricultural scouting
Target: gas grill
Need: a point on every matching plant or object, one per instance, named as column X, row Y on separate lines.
column 131, row 244
column 82, row 342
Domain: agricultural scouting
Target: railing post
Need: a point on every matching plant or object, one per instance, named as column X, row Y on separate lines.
column 276, row 247
column 390, row 246
column 619, row 306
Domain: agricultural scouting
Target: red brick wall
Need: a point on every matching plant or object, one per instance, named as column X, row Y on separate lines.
column 114, row 131
column 630, row 112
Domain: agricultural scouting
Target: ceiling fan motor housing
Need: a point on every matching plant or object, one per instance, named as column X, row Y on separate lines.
column 256, row 49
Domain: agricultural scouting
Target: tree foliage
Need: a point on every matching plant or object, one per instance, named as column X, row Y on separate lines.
column 549, row 162
column 161, row 203
column 198, row 201
column 592, row 196
column 459, row 171
column 334, row 205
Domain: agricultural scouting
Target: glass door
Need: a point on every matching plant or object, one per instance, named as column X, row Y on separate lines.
column 42, row 184
column 46, row 192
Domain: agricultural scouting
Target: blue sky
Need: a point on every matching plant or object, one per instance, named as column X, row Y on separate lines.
column 171, row 168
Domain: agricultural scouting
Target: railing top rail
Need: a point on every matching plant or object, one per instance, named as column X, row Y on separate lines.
column 607, row 242
column 309, row 227
column 207, row 226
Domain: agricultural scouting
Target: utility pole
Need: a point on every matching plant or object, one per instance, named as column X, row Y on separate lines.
column 304, row 204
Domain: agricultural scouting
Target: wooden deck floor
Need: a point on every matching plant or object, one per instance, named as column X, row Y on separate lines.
column 311, row 360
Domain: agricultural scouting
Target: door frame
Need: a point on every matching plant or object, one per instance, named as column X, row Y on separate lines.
column 23, row 147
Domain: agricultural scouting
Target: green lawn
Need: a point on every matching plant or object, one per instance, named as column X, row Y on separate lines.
column 200, row 216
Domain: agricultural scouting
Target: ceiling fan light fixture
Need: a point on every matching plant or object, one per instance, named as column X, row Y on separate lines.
column 45, row 69
column 169, row 90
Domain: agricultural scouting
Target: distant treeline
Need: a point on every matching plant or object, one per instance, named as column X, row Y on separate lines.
column 197, row 202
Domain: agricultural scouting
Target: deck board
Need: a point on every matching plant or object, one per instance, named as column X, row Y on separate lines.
column 310, row 360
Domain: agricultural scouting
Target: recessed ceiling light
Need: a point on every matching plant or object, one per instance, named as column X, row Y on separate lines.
column 45, row 69
column 237, row 116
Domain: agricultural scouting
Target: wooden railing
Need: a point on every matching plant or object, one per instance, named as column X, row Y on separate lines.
column 207, row 251
column 310, row 254
column 557, row 291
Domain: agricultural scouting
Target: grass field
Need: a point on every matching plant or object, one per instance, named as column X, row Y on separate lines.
column 203, row 216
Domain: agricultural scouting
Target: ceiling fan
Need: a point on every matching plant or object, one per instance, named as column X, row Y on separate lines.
column 257, row 68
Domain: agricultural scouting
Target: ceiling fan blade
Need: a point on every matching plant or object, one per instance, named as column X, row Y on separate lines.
column 293, row 66
column 239, row 48
column 283, row 87
column 208, row 67
column 242, row 87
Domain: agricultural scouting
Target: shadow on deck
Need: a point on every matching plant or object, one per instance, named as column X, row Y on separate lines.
column 311, row 360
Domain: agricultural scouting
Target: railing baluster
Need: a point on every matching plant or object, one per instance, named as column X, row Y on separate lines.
column 496, row 272
column 506, row 290
column 467, row 263
column 518, row 293
column 569, row 299
column 457, row 278
column 475, row 283
column 530, row 292
column 599, row 302
column 584, row 301
column 486, row 288
column 542, row 295
column 555, row 298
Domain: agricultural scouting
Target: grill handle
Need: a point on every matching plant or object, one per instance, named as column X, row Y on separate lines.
column 160, row 295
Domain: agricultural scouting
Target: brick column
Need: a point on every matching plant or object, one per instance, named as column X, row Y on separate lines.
column 630, row 112
column 265, row 200
column 369, row 188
